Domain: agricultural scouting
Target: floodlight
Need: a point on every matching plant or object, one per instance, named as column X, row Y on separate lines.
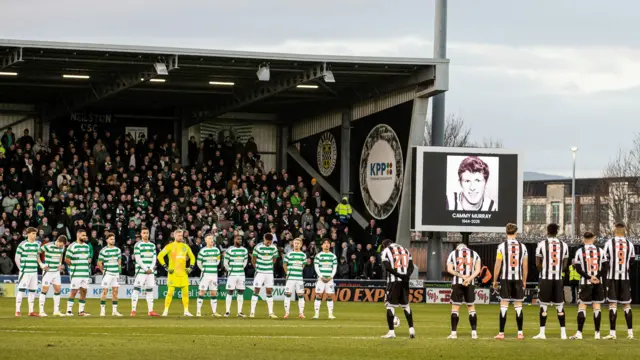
column 327, row 74
column 161, row 68
column 263, row 72
column 8, row 73
column 307, row 86
column 69, row 76
column 221, row 83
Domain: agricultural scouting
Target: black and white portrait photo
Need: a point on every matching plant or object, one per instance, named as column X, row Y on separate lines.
column 472, row 183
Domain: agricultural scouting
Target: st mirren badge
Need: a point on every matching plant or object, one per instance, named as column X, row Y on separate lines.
column 327, row 154
column 381, row 171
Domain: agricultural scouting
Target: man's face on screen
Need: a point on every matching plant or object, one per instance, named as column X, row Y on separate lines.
column 473, row 186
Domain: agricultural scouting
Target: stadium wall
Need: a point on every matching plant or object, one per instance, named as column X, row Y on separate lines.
column 263, row 134
column 18, row 112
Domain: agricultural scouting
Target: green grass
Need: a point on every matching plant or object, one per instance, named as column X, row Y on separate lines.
column 354, row 335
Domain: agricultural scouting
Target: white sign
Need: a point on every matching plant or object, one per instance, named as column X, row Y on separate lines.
column 93, row 292
column 381, row 171
column 136, row 132
column 443, row 296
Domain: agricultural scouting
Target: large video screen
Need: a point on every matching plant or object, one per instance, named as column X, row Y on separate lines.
column 465, row 189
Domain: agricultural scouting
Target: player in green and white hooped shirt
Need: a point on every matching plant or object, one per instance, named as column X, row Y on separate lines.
column 208, row 261
column 78, row 257
column 27, row 261
column 294, row 263
column 326, row 265
column 110, row 264
column 144, row 253
column 235, row 260
column 264, row 256
column 51, row 273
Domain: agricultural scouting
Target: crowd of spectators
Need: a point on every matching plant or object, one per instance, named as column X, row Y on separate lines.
column 112, row 183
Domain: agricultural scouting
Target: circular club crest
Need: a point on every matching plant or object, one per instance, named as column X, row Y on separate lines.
column 327, row 154
column 381, row 170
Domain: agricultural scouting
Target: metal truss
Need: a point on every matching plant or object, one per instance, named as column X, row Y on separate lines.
column 262, row 92
column 101, row 91
column 14, row 57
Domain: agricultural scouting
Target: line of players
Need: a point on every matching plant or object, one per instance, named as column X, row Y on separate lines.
column 79, row 254
column 604, row 274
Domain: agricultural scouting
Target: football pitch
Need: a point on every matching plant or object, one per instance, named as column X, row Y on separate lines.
column 355, row 334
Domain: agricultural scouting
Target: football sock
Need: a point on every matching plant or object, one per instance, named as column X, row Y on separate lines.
column 134, row 299
column 330, row 305
column 390, row 317
column 185, row 298
column 301, row 304
column 287, row 304
column 561, row 316
column 31, row 299
column 270, row 304
column 581, row 319
column 543, row 318
column 629, row 317
column 199, row 303
column 169, row 298
column 254, row 302
column 597, row 317
column 103, row 305
column 503, row 318
column 519, row 318
column 473, row 320
column 316, row 305
column 41, row 301
column 613, row 316
column 454, row 321
column 70, row 304
column 228, row 302
column 114, row 306
column 19, row 296
column 214, row 304
column 81, row 306
column 56, row 302
column 409, row 315
column 240, row 300
column 149, row 294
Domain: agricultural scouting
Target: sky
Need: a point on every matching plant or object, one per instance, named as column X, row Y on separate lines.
column 542, row 75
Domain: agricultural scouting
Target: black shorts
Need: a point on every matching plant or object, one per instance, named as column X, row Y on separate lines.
column 619, row 291
column 591, row 294
column 397, row 294
column 511, row 290
column 551, row 292
column 463, row 295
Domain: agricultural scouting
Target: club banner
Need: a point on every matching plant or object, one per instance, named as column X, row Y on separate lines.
column 443, row 296
column 93, row 292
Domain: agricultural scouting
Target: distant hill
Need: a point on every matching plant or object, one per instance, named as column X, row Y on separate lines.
column 535, row 176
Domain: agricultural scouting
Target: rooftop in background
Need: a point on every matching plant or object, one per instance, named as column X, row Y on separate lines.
column 199, row 83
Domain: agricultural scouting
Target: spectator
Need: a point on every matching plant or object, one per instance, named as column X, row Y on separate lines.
column 372, row 270
column 5, row 264
column 8, row 139
column 343, row 269
column 309, row 272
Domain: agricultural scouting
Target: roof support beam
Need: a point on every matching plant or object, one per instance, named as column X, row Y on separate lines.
column 101, row 91
column 14, row 57
column 262, row 92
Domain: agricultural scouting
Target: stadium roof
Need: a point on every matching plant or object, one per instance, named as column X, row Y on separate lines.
column 199, row 84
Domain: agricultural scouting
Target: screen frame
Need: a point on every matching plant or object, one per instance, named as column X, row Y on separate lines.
column 418, row 185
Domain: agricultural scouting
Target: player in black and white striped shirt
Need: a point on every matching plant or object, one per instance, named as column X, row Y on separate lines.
column 552, row 256
column 464, row 264
column 398, row 265
column 591, row 264
column 620, row 254
column 512, row 265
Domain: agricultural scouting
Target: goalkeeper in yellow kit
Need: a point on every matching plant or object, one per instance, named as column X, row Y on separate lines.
column 177, row 270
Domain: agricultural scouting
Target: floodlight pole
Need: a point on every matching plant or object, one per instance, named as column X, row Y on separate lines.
column 434, row 247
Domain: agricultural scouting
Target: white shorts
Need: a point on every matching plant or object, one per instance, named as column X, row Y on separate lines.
column 79, row 283
column 208, row 282
column 145, row 281
column 51, row 278
column 235, row 282
column 263, row 280
column 328, row 287
column 296, row 286
column 28, row 281
column 110, row 281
